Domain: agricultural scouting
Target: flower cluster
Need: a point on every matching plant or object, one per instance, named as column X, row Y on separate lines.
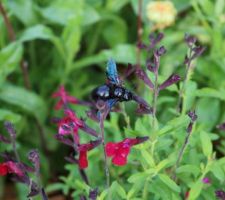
column 120, row 150
column 69, row 126
column 18, row 170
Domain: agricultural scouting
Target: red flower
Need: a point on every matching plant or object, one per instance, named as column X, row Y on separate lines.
column 10, row 167
column 64, row 98
column 120, row 150
column 3, row 169
column 69, row 124
column 83, row 149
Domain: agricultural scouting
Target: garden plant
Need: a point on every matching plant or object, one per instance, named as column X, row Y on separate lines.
column 112, row 99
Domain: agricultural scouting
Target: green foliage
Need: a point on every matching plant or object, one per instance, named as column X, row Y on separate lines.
column 68, row 42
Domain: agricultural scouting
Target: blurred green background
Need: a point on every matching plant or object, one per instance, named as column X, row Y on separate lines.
column 69, row 41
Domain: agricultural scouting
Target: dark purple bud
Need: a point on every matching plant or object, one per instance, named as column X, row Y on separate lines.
column 4, row 139
column 198, row 50
column 192, row 116
column 155, row 40
column 144, row 77
column 221, row 126
column 10, row 129
column 220, row 194
column 93, row 194
column 190, row 40
column 140, row 101
column 34, row 190
column 160, row 51
column 64, row 140
column 21, row 179
column 189, row 128
column 142, row 139
column 141, row 45
column 171, row 80
column 33, row 156
column 150, row 66
column 88, row 130
column 7, row 156
column 143, row 110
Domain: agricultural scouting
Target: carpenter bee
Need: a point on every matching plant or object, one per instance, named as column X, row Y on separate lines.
column 113, row 91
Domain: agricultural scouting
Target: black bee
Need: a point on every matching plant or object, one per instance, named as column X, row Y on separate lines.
column 113, row 91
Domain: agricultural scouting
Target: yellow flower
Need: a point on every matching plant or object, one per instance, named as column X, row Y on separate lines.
column 162, row 13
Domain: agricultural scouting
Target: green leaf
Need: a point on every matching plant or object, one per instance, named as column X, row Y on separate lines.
column 36, row 32
column 10, row 57
column 169, row 182
column 163, row 164
column 26, row 100
column 195, row 190
column 24, row 10
column 218, row 172
column 208, row 115
column 210, row 92
column 191, row 169
column 9, row 116
column 138, row 177
column 116, row 188
column 90, row 15
column 206, row 144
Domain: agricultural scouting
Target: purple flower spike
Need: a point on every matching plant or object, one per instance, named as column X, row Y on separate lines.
column 155, row 39
column 220, row 194
column 221, row 126
column 171, row 80
column 143, row 76
column 160, row 51
column 206, row 180
column 190, row 40
column 33, row 156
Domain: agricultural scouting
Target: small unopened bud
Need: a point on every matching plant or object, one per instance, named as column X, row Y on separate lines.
column 192, row 116
column 143, row 76
column 33, row 156
column 171, row 80
column 93, row 194
column 160, row 51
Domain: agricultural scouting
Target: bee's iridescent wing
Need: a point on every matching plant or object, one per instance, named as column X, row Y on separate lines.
column 111, row 72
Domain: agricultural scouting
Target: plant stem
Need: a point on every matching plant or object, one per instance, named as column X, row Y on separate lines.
column 180, row 104
column 101, row 123
column 139, row 32
column 155, row 97
column 181, row 153
column 12, row 37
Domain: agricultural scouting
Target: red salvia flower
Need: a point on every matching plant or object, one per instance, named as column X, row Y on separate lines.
column 3, row 169
column 64, row 98
column 120, row 150
column 10, row 167
column 83, row 149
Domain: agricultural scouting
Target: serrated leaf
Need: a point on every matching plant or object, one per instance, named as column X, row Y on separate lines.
column 169, row 182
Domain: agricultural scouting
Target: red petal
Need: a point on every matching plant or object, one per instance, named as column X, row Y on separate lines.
column 111, row 148
column 58, row 105
column 3, row 169
column 83, row 162
column 71, row 99
column 119, row 160
column 14, row 168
